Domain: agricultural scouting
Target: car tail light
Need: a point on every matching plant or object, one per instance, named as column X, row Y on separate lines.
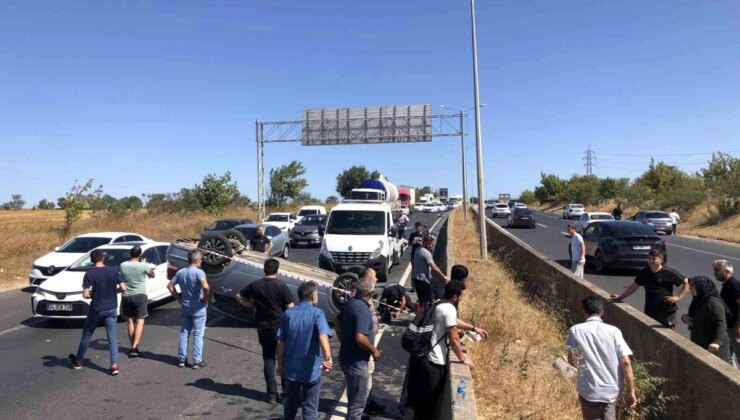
column 171, row 270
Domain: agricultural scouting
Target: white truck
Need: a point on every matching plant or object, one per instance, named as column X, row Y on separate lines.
column 361, row 230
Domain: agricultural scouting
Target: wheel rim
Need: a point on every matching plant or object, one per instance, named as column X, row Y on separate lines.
column 285, row 252
column 346, row 283
column 600, row 264
column 214, row 245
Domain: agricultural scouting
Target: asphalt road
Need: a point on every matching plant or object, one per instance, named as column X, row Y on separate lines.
column 36, row 380
column 689, row 256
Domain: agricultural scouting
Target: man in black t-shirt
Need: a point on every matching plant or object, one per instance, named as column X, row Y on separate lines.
column 617, row 212
column 269, row 297
column 397, row 299
column 415, row 239
column 658, row 281
column 259, row 242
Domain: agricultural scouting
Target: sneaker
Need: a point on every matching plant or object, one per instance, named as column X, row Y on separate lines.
column 180, row 363
column 113, row 370
column 134, row 353
column 199, row 365
column 275, row 399
column 373, row 408
column 76, row 364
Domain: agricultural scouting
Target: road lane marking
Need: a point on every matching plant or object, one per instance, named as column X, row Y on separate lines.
column 540, row 224
column 20, row 327
column 705, row 252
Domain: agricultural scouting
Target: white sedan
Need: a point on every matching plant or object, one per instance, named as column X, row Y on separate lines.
column 61, row 295
column 285, row 221
column 62, row 256
column 589, row 217
column 500, row 209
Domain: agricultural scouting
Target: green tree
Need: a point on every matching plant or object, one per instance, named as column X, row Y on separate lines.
column 45, row 204
column 332, row 199
column 662, row 177
column 722, row 180
column 239, row 200
column 582, row 189
column 214, row 193
column 16, row 202
column 352, row 177
column 75, row 202
column 527, row 197
column 612, row 188
column 552, row 189
column 286, row 182
column 423, row 190
column 61, row 202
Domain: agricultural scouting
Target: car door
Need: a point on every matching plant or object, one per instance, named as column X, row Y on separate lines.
column 591, row 238
column 152, row 257
column 278, row 240
column 583, row 222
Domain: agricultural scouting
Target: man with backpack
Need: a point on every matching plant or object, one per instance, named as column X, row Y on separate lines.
column 429, row 347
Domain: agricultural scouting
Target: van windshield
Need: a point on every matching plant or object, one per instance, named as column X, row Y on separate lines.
column 356, row 222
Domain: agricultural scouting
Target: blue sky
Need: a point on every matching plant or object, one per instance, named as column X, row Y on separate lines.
column 150, row 96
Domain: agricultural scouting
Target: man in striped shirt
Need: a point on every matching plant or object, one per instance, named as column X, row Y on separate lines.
column 602, row 357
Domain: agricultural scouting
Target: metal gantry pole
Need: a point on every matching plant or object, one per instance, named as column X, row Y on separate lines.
column 464, row 180
column 478, row 143
column 260, row 171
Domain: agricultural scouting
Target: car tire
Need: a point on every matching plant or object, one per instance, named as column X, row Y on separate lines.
column 396, row 258
column 346, row 281
column 668, row 232
column 217, row 243
column 286, row 252
column 235, row 234
column 600, row 263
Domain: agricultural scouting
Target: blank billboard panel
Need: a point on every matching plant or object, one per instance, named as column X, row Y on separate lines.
column 378, row 124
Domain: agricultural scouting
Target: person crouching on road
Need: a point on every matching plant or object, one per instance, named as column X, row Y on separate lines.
column 302, row 338
column 104, row 282
column 134, row 301
column 658, row 280
column 354, row 329
column 195, row 294
column 602, row 357
column 707, row 318
column 427, row 374
column 422, row 272
column 577, row 251
column 269, row 297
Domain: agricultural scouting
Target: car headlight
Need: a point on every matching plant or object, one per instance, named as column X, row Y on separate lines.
column 377, row 251
column 325, row 252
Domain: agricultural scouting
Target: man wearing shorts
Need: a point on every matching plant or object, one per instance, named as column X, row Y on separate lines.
column 134, row 300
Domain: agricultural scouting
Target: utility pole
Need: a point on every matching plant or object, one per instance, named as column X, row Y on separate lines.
column 478, row 142
column 590, row 159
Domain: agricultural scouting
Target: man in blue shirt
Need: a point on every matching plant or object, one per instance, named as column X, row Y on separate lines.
column 100, row 284
column 355, row 332
column 195, row 294
column 303, row 331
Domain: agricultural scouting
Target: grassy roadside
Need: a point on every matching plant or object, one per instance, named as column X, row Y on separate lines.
column 694, row 222
column 514, row 377
column 29, row 234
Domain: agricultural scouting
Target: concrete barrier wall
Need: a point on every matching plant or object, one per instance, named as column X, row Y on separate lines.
column 706, row 387
column 458, row 371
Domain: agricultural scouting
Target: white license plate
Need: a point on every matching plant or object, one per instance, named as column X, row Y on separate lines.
column 302, row 242
column 641, row 247
column 59, row 307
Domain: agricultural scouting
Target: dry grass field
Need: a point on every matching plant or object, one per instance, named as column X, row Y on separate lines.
column 29, row 234
column 514, row 377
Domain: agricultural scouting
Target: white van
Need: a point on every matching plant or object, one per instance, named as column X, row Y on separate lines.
column 363, row 234
column 308, row 210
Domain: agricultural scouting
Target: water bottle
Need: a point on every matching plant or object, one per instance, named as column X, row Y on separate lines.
column 460, row 398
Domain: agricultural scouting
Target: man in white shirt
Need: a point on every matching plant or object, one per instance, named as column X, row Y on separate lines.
column 676, row 220
column 427, row 375
column 577, row 251
column 602, row 357
column 403, row 221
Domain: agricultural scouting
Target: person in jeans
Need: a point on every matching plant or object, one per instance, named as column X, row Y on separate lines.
column 658, row 281
column 421, row 273
column 302, row 339
column 675, row 220
column 403, row 221
column 269, row 297
column 730, row 294
column 415, row 239
column 134, row 301
column 354, row 329
column 602, row 357
column 101, row 284
column 427, row 374
column 577, row 251
column 707, row 318
column 194, row 300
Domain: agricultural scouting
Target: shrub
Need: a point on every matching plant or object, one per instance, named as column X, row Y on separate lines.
column 527, row 197
column 651, row 401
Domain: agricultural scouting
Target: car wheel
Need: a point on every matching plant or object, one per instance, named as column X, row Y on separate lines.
column 286, row 251
column 236, row 235
column 216, row 249
column 668, row 232
column 396, row 258
column 344, row 283
column 600, row 263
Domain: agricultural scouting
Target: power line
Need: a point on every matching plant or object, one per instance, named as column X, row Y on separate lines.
column 669, row 154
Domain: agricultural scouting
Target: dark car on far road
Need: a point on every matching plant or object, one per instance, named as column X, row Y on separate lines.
column 620, row 244
column 221, row 225
column 309, row 230
column 521, row 217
